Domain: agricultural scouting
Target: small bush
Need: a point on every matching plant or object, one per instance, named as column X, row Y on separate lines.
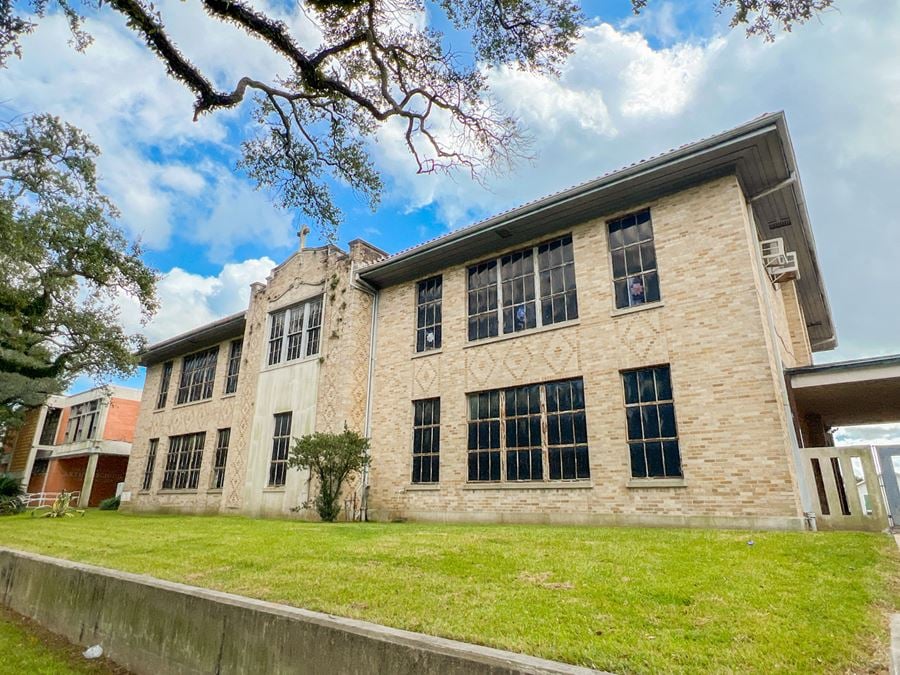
column 109, row 504
column 11, row 493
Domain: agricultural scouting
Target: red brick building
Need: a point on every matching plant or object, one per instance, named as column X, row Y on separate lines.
column 79, row 443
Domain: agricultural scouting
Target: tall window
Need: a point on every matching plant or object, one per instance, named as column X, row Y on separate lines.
column 234, row 366
column 508, row 302
column 529, row 433
column 51, row 424
column 183, row 462
column 428, row 314
column 484, row 436
column 426, row 440
column 164, row 381
column 295, row 332
column 198, row 374
column 281, row 442
column 151, row 463
column 635, row 279
column 652, row 435
column 83, row 421
column 221, row 459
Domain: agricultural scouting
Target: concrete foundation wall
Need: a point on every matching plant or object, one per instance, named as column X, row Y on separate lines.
column 159, row 627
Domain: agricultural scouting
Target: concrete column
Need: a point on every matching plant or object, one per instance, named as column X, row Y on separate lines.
column 88, row 484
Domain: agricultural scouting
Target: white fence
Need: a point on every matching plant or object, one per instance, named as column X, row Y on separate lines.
column 847, row 490
column 36, row 499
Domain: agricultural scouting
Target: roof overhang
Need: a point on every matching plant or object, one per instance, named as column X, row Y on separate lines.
column 205, row 336
column 759, row 153
column 865, row 391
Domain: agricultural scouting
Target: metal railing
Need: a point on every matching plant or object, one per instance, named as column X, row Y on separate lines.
column 35, row 499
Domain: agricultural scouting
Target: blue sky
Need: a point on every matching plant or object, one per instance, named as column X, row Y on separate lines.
column 633, row 88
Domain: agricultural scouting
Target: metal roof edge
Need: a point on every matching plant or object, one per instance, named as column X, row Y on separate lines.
column 759, row 125
column 197, row 333
column 851, row 364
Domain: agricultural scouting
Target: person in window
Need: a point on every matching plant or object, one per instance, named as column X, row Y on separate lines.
column 520, row 317
column 636, row 291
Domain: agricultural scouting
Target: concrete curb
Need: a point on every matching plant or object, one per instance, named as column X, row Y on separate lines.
column 153, row 626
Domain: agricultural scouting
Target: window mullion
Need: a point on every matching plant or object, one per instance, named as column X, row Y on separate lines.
column 499, row 309
column 535, row 277
column 285, row 327
column 545, row 443
column 502, row 412
column 304, row 328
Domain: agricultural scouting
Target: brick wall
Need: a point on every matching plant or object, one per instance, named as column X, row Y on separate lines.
column 710, row 327
column 121, row 420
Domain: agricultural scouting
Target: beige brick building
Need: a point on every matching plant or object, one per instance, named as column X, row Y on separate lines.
column 614, row 353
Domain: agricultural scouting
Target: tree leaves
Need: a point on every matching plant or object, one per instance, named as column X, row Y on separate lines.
column 64, row 267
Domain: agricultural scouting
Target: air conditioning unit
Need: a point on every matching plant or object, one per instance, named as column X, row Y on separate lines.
column 780, row 264
column 789, row 270
column 772, row 251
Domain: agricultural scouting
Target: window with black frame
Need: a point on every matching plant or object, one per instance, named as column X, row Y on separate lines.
column 223, row 438
column 164, row 381
column 198, row 376
column 650, row 414
column 426, row 441
column 281, row 442
column 633, row 253
column 534, row 287
column 234, row 366
column 538, row 433
column 147, row 483
column 183, row 461
column 428, row 314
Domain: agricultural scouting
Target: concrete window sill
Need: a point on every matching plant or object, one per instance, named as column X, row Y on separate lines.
column 637, row 308
column 657, row 483
column 537, row 485
column 522, row 333
column 430, row 352
column 273, row 489
column 176, row 492
column 178, row 406
column 422, row 487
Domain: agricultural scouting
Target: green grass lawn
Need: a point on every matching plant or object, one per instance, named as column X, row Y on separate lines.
column 27, row 648
column 626, row 600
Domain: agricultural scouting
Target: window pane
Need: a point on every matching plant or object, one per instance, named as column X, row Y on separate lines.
column 654, row 460
column 667, row 420
column 638, row 463
column 651, row 282
column 672, row 458
column 630, row 380
column 634, row 423
column 645, row 382
column 650, row 421
column 663, row 383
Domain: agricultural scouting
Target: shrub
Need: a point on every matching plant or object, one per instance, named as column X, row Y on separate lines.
column 11, row 493
column 331, row 458
column 109, row 504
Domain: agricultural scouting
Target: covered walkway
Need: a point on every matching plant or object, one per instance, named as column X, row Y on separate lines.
column 855, row 487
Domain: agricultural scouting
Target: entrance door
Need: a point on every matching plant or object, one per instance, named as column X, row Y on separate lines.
column 889, row 459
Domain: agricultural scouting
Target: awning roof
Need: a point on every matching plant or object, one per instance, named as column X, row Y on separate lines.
column 759, row 153
column 863, row 391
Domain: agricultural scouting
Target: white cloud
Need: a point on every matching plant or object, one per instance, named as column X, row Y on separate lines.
column 119, row 93
column 189, row 300
column 620, row 100
column 872, row 434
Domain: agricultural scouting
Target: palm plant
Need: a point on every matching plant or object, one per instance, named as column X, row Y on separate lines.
column 59, row 509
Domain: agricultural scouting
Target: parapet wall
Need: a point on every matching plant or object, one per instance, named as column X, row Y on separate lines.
column 158, row 627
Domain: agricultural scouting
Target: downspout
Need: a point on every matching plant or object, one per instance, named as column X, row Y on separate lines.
column 365, row 287
column 806, row 503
